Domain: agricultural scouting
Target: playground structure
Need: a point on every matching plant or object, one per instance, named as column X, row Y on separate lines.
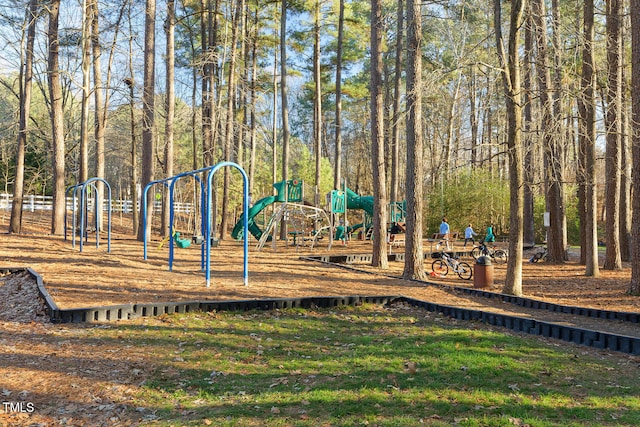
column 397, row 211
column 80, row 212
column 206, row 192
column 306, row 224
column 364, row 203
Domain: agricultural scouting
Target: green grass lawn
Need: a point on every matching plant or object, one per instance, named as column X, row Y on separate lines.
column 372, row 366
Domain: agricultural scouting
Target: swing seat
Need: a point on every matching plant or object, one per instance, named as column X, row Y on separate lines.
column 199, row 240
column 181, row 243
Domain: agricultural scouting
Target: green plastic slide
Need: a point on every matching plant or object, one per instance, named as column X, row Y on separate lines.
column 253, row 211
column 355, row 201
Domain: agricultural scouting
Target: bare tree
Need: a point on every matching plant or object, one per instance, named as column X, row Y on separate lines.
column 148, row 109
column 170, row 105
column 529, row 156
column 634, row 284
column 379, row 256
column 240, row 101
column 337, row 171
column 550, row 128
column 414, row 255
column 130, row 82
column 510, row 66
column 57, row 120
column 284, row 93
column 613, row 162
column 86, row 92
column 627, row 167
column 207, row 81
column 395, row 119
column 229, row 122
column 26, row 80
column 317, row 98
column 564, row 126
column 587, row 143
column 473, row 113
column 252, row 99
column 100, row 95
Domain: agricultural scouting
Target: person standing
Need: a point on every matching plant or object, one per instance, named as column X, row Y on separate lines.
column 444, row 233
column 490, row 237
column 468, row 236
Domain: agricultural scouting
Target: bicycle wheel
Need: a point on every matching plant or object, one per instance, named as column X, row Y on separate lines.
column 476, row 252
column 439, row 268
column 464, row 271
column 537, row 257
column 500, row 256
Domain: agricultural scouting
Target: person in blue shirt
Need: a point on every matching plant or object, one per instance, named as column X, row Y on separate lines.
column 444, row 234
column 468, row 236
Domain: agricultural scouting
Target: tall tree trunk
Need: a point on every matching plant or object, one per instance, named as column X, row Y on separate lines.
column 207, row 121
column 587, row 143
column 414, row 255
column 148, row 110
column 550, row 126
column 337, row 171
column 26, row 83
column 170, row 109
column 215, row 101
column 379, row 256
column 57, row 121
column 451, row 159
column 240, row 100
column 317, row 99
column 395, row 119
column 229, row 122
column 634, row 283
column 274, row 123
column 511, row 78
column 130, row 82
column 473, row 114
column 101, row 104
column 625, row 182
column 284, row 92
column 529, row 232
column 561, row 140
column 86, row 91
column 284, row 103
column 252, row 99
column 613, row 163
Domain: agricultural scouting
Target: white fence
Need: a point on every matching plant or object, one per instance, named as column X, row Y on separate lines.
column 34, row 203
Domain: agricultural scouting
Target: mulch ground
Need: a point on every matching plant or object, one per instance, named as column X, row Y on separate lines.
column 55, row 368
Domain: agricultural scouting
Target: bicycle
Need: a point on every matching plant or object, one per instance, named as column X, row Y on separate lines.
column 440, row 267
column 500, row 256
column 540, row 256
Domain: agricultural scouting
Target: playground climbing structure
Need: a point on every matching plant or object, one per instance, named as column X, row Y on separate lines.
column 304, row 224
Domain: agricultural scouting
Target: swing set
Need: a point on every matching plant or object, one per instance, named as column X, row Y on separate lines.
column 206, row 191
column 80, row 212
column 188, row 224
